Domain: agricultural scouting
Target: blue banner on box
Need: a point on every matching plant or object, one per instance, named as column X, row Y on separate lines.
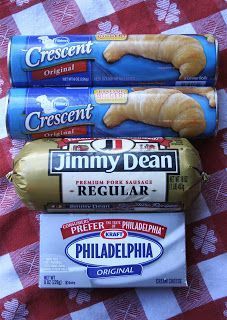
column 114, row 271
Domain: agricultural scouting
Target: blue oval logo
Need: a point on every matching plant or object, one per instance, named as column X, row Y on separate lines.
column 60, row 103
column 113, row 234
column 94, row 250
column 61, row 40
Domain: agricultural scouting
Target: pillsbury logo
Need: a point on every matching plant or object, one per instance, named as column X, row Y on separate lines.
column 50, row 43
column 49, row 106
column 61, row 40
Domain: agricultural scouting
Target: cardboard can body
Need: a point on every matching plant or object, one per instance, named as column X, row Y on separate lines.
column 34, row 113
column 113, row 60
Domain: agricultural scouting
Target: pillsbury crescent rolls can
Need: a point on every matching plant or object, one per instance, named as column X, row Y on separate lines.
column 35, row 113
column 145, row 174
column 113, row 60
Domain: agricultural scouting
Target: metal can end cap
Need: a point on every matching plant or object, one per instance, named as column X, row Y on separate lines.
column 9, row 176
column 205, row 176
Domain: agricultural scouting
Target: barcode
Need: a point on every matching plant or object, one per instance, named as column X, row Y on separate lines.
column 49, row 277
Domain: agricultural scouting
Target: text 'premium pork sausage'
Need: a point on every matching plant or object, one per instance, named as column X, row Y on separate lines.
column 68, row 175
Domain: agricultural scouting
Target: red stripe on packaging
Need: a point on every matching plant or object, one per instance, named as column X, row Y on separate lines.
column 60, row 69
column 63, row 132
column 85, row 226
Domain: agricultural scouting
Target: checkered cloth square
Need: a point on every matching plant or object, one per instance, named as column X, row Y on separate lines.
column 206, row 295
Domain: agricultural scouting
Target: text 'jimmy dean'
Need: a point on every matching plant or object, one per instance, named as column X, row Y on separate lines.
column 65, row 161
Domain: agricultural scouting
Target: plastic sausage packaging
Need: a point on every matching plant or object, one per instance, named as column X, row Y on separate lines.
column 34, row 113
column 68, row 175
column 113, row 60
column 112, row 250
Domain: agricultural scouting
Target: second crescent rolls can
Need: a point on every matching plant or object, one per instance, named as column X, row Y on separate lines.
column 66, row 175
column 35, row 113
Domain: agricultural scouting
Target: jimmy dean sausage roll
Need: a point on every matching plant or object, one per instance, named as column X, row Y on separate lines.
column 107, row 174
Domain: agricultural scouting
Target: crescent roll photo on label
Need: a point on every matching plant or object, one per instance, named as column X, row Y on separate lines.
column 113, row 60
column 54, row 112
column 144, row 174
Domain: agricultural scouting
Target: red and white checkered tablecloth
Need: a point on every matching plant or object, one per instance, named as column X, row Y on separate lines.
column 206, row 295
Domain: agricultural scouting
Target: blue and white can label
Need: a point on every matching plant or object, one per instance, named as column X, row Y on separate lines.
column 34, row 113
column 113, row 60
column 105, row 250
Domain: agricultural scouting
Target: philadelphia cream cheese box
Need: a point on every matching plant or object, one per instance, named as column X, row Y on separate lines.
column 112, row 250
